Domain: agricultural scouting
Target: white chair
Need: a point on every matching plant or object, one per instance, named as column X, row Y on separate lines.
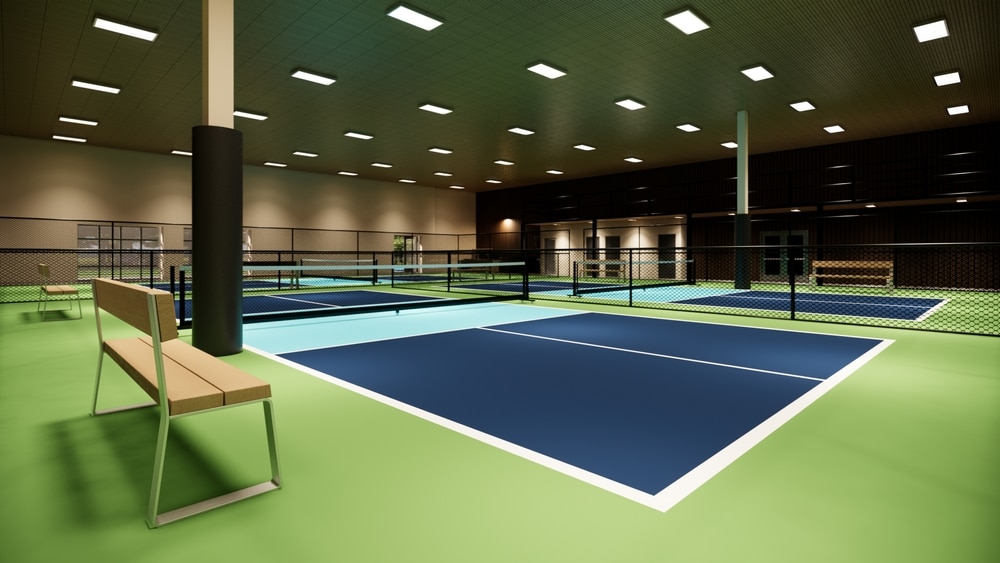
column 48, row 292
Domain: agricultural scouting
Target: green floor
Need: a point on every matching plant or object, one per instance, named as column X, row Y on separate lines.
column 901, row 462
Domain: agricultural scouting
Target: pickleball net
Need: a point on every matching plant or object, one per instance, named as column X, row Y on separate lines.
column 600, row 276
column 285, row 290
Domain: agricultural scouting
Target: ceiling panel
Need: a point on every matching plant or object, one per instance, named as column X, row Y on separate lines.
column 856, row 60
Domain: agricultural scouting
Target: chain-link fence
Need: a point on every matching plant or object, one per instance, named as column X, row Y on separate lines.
column 943, row 287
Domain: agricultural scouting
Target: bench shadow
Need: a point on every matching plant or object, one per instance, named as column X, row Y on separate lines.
column 105, row 467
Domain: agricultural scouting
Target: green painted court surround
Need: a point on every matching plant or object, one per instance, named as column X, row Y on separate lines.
column 898, row 463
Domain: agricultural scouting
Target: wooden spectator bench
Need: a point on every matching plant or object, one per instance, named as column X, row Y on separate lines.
column 875, row 270
column 180, row 378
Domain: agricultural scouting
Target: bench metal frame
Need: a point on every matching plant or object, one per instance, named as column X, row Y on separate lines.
column 153, row 518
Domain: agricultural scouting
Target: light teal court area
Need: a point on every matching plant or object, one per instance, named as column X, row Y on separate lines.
column 897, row 463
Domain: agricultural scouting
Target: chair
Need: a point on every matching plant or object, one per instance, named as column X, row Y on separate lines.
column 48, row 292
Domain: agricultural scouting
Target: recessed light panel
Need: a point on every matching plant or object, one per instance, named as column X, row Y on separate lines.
column 357, row 135
column 434, row 108
column 276, row 164
column 757, row 73
column 124, row 29
column 313, row 77
column 250, row 115
column 181, row 153
column 834, row 129
column 71, row 139
column 730, row 145
column 87, row 122
column 630, row 104
column 583, row 147
column 407, row 14
column 503, row 162
column 633, row 160
column 381, row 165
column 521, row 131
column 457, row 187
column 554, row 171
column 443, row 173
column 688, row 127
column 407, row 180
column 347, row 173
column 440, row 150
column 305, row 154
column 931, row 31
column 96, row 87
column 958, row 110
column 546, row 70
column 947, row 78
column 493, row 181
column 804, row 105
column 687, row 21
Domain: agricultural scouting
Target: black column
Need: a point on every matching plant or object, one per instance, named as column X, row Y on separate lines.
column 217, row 239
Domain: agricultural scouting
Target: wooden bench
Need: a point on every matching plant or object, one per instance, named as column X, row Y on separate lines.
column 852, row 270
column 48, row 292
column 180, row 378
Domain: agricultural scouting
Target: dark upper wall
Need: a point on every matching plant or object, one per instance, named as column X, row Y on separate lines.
column 914, row 180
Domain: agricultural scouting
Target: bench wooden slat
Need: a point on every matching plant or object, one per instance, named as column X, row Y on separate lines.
column 125, row 302
column 236, row 385
column 186, row 392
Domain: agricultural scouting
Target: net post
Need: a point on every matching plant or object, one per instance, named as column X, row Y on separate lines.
column 576, row 285
column 182, row 312
column 630, row 288
column 374, row 270
column 173, row 289
column 791, row 286
column 524, row 276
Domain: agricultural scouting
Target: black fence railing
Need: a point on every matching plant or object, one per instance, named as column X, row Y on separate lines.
column 937, row 287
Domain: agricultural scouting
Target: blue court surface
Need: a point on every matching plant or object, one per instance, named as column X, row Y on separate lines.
column 646, row 408
column 870, row 306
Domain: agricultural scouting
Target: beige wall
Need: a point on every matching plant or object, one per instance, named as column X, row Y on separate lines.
column 61, row 180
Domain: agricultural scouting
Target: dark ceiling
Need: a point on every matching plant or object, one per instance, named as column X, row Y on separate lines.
column 857, row 61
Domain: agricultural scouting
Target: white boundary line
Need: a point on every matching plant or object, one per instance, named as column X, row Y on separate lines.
column 670, row 495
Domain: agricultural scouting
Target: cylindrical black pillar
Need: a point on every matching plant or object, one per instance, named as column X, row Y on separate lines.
column 742, row 240
column 217, row 239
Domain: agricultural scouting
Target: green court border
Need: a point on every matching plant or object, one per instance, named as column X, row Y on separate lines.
column 897, row 463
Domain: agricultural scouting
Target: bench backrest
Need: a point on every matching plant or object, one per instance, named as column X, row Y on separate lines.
column 858, row 264
column 130, row 303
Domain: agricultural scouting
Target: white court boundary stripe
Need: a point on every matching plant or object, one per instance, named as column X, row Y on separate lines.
column 666, row 356
column 807, row 300
column 661, row 501
column 327, row 305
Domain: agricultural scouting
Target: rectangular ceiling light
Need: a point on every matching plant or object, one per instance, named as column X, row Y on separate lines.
column 931, row 31
column 521, row 131
column 687, row 21
column 65, row 119
column 757, row 73
column 440, row 110
column 356, row 135
column 804, row 105
column 275, row 164
column 96, row 87
column 834, row 129
column 347, row 173
column 457, row 187
column 181, row 153
column 584, row 147
column 72, row 139
column 124, row 29
column 313, row 77
column 958, row 110
column 406, row 14
column 630, row 104
column 503, row 162
column 633, row 160
column 381, row 165
column 408, row 180
column 554, row 171
column 947, row 78
column 688, row 127
column 546, row 70
column 249, row 115
column 730, row 145
column 305, row 154
column 440, row 150
column 442, row 173
column 493, row 181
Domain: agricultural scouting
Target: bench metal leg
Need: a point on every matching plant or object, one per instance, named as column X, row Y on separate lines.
column 154, row 519
column 97, row 389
